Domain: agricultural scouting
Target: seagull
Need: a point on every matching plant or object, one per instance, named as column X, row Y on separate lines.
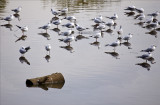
column 69, row 39
column 120, row 31
column 145, row 56
column 101, row 26
column 67, row 33
column 54, row 12
column 57, row 22
column 141, row 17
column 23, row 49
column 45, row 27
column 9, row 18
column 23, row 29
column 114, row 44
column 109, row 24
column 114, row 17
column 131, row 8
column 65, row 10
column 128, row 37
column 80, row 28
column 154, row 25
column 148, row 21
column 97, row 35
column 150, row 49
column 70, row 18
column 155, row 14
column 69, row 25
column 98, row 20
column 17, row 10
column 48, row 48
column 140, row 10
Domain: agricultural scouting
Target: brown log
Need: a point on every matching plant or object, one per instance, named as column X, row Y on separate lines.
column 55, row 80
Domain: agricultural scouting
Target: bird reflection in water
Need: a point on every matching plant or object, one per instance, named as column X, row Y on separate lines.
column 16, row 15
column 96, row 43
column 80, row 37
column 68, row 48
column 144, row 65
column 46, row 35
column 10, row 26
column 56, row 30
column 129, row 13
column 22, row 59
column 23, row 37
column 127, row 44
column 47, row 57
column 113, row 54
column 152, row 32
column 141, row 24
column 110, row 31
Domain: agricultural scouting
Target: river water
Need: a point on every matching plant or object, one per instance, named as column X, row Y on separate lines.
column 92, row 76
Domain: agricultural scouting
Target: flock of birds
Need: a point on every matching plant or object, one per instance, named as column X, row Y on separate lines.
column 100, row 26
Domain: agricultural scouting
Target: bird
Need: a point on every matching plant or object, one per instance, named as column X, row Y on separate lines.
column 101, row 26
column 57, row 22
column 54, row 12
column 23, row 29
column 114, row 17
column 154, row 25
column 23, row 49
column 150, row 49
column 45, row 27
column 97, row 20
column 17, row 10
column 96, row 35
column 148, row 21
column 120, row 31
column 141, row 17
column 70, row 18
column 48, row 48
column 80, row 28
column 128, row 37
column 145, row 56
column 130, row 8
column 114, row 44
column 69, row 39
column 65, row 10
column 109, row 24
column 67, row 33
column 8, row 18
column 155, row 14
column 139, row 10
column 69, row 25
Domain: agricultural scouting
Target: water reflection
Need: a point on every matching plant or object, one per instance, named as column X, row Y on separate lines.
column 80, row 37
column 144, row 65
column 127, row 44
column 23, row 37
column 23, row 59
column 10, row 26
column 47, row 57
column 129, row 14
column 96, row 43
column 113, row 54
column 2, row 5
column 46, row 35
column 152, row 32
column 68, row 48
column 17, row 16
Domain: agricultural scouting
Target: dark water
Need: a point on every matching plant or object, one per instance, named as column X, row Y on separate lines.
column 92, row 77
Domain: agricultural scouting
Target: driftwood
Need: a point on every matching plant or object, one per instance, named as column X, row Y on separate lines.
column 55, row 80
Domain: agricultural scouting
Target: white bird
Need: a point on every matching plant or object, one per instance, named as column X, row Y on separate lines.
column 109, row 24
column 99, row 17
column 9, row 18
column 150, row 49
column 114, row 17
column 141, row 17
column 23, row 49
column 67, row 33
column 17, row 10
column 69, row 39
column 23, row 29
column 65, row 10
column 54, row 12
column 145, row 56
column 98, row 20
column 154, row 25
column 155, row 14
column 120, row 31
column 96, row 35
column 101, row 26
column 45, row 27
column 140, row 10
column 69, row 25
column 48, row 48
column 128, row 37
column 114, row 44
column 57, row 22
column 148, row 21
column 80, row 28
column 70, row 18
column 131, row 8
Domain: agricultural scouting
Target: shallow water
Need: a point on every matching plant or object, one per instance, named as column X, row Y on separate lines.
column 92, row 77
